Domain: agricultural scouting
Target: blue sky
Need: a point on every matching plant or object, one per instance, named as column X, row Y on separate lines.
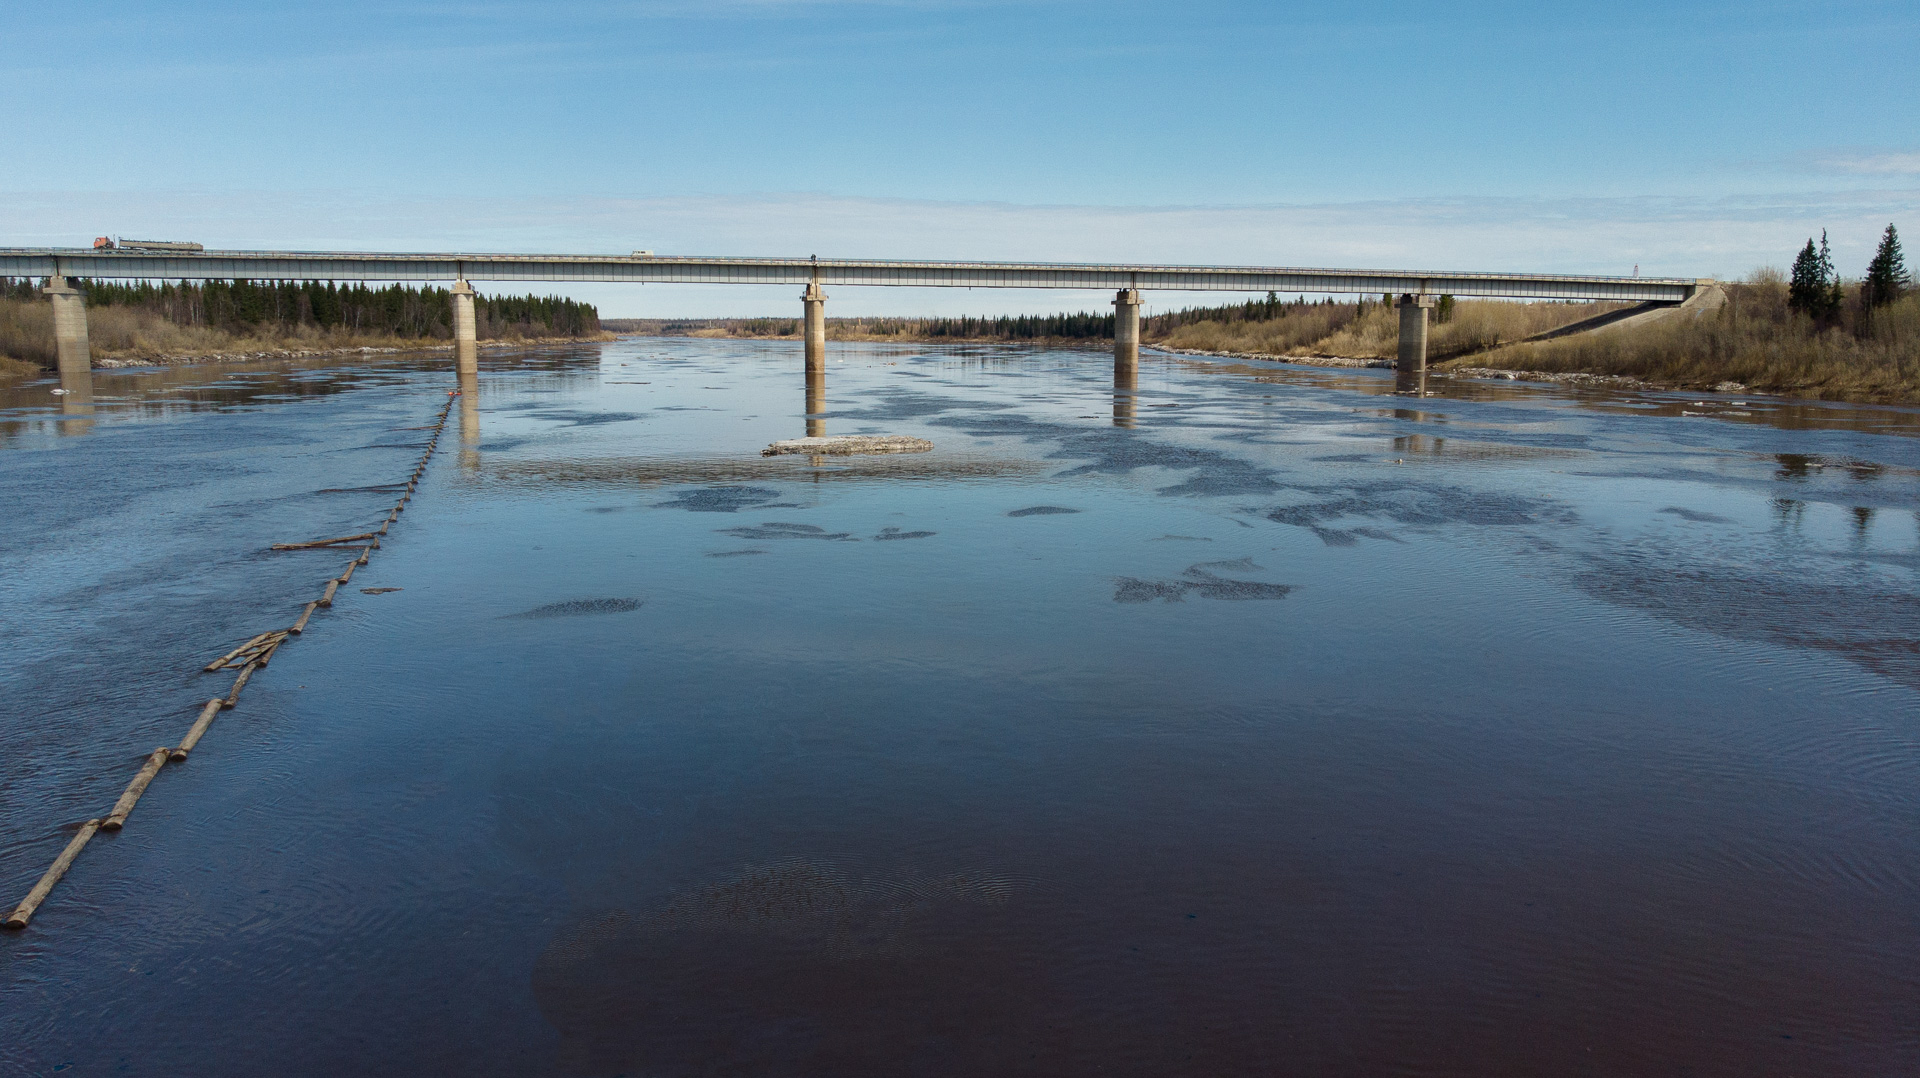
column 1694, row 139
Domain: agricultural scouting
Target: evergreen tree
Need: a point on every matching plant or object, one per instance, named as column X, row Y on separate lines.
column 1886, row 274
column 1814, row 289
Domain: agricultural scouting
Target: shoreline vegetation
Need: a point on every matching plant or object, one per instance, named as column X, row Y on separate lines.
column 147, row 324
column 1811, row 334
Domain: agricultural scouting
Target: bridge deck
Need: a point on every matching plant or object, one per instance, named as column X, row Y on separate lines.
column 675, row 269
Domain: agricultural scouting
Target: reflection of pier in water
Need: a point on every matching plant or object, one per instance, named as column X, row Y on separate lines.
column 1126, row 386
column 816, row 402
column 469, row 421
column 76, row 406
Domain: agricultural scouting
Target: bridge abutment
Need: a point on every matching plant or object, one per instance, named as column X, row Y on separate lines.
column 1126, row 330
column 466, row 338
column 69, row 327
column 815, row 326
column 1413, row 333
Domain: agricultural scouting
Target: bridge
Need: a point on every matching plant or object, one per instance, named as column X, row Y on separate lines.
column 1416, row 289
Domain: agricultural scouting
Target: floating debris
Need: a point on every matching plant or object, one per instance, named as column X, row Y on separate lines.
column 1041, row 511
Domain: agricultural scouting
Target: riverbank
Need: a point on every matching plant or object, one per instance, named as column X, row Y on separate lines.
column 183, row 359
column 1753, row 343
column 134, row 326
column 12, row 369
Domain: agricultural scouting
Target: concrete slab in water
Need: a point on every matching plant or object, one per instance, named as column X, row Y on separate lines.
column 848, row 444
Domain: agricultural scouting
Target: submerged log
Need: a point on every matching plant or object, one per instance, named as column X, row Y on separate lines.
column 233, row 694
column 198, row 729
column 229, row 656
column 848, row 444
column 301, row 625
column 123, row 807
column 24, row 911
column 322, row 542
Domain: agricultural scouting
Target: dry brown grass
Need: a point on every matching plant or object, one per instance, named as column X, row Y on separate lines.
column 1477, row 325
column 1754, row 340
column 1375, row 334
column 26, row 335
column 1293, row 333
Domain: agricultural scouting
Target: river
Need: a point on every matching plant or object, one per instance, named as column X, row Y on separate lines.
column 1247, row 719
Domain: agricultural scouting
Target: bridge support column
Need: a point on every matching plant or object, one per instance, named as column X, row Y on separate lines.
column 1126, row 329
column 69, row 327
column 466, row 342
column 815, row 326
column 1413, row 333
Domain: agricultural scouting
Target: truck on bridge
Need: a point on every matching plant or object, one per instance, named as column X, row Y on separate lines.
column 108, row 243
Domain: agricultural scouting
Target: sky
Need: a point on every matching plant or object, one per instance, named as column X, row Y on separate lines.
column 1688, row 139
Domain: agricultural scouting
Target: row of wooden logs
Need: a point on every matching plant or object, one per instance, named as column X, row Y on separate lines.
column 248, row 657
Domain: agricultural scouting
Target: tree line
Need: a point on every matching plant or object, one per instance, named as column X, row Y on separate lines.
column 397, row 310
column 1089, row 325
column 1815, row 289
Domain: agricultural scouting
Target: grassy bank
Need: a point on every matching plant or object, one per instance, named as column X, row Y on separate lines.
column 179, row 323
column 1361, row 329
column 1371, row 330
column 1754, row 340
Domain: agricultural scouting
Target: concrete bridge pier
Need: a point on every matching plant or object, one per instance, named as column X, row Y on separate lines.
column 1413, row 333
column 69, row 327
column 1126, row 330
column 466, row 342
column 815, row 302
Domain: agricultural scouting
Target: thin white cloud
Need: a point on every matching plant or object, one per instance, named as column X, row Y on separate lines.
column 1878, row 164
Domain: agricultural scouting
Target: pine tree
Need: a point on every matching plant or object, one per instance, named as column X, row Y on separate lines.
column 1886, row 274
column 1814, row 289
column 1830, row 308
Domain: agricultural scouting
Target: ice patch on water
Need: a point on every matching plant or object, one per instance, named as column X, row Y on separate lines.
column 1041, row 511
column 719, row 499
column 577, row 607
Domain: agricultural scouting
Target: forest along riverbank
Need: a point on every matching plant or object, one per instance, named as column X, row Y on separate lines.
column 144, row 324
